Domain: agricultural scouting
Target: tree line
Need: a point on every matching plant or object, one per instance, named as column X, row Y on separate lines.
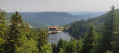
column 16, row 36
column 102, row 37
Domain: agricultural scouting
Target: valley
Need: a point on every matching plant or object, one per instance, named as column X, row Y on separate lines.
column 46, row 19
column 59, row 26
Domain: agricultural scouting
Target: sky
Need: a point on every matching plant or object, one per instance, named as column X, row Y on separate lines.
column 57, row 5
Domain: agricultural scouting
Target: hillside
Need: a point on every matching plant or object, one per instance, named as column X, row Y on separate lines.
column 86, row 15
column 79, row 28
column 45, row 19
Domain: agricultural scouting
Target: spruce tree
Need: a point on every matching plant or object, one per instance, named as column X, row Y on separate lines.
column 2, row 24
column 19, row 37
column 79, row 45
column 89, row 39
column 73, row 47
column 97, row 46
column 115, row 33
column 111, row 29
column 110, row 32
column 60, row 44
column 15, row 32
column 3, row 31
column 42, row 40
column 54, row 48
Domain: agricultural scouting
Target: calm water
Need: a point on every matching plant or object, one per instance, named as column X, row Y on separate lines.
column 53, row 38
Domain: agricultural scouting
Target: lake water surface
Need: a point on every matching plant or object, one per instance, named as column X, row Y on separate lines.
column 53, row 38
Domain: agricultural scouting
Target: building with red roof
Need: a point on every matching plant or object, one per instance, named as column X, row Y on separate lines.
column 53, row 28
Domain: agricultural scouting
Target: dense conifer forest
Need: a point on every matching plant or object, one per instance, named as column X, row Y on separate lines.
column 97, row 35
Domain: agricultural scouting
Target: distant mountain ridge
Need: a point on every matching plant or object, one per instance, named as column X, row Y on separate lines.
column 86, row 15
column 45, row 19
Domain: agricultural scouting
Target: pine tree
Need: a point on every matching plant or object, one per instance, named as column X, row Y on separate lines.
column 73, row 47
column 79, row 45
column 26, row 30
column 2, row 24
column 20, row 39
column 89, row 40
column 111, row 28
column 108, row 30
column 3, row 31
column 16, row 33
column 42, row 40
column 54, row 48
column 60, row 44
column 97, row 46
column 115, row 33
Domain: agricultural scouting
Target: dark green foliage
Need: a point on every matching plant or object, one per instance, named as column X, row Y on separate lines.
column 3, row 31
column 97, row 46
column 60, row 43
column 110, row 29
column 15, row 33
column 79, row 28
column 2, row 24
column 79, row 45
column 66, row 47
column 2, row 45
column 22, row 39
column 42, row 40
column 61, row 50
column 109, row 38
column 115, row 47
column 20, row 36
column 89, row 39
column 107, row 27
column 72, row 46
column 54, row 48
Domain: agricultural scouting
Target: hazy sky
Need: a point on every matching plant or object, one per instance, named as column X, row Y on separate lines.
column 57, row 5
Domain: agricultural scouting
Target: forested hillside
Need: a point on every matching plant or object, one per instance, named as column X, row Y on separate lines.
column 100, row 35
column 79, row 28
column 87, row 15
column 45, row 19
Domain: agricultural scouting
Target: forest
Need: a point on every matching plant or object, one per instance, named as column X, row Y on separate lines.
column 96, row 35
column 40, row 20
